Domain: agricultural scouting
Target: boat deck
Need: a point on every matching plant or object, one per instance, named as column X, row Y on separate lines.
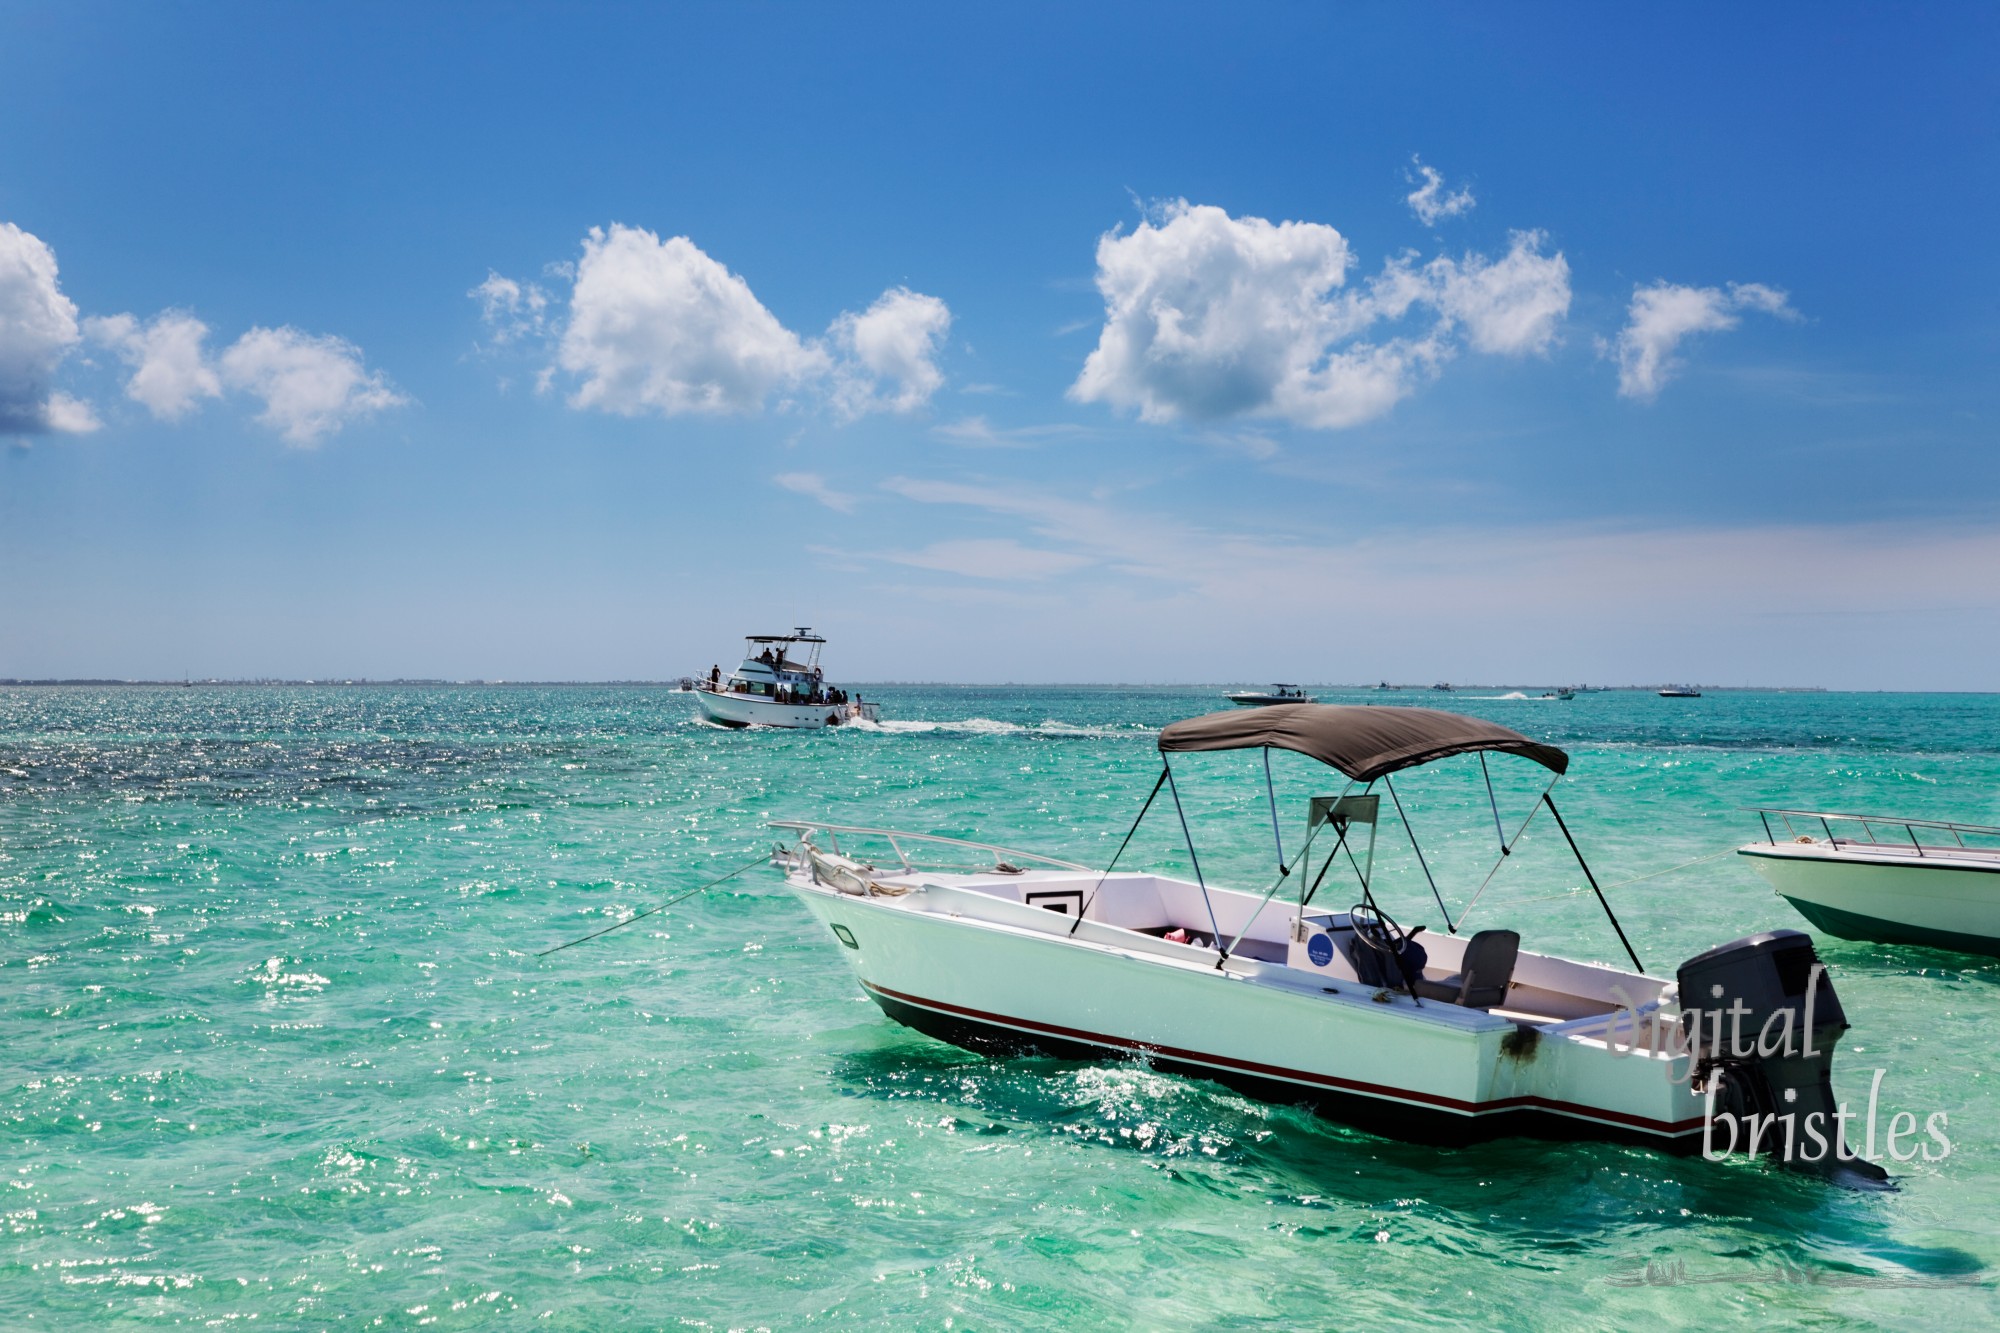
column 1137, row 912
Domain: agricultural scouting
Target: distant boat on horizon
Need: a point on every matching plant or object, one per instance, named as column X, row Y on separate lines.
column 1281, row 692
column 1680, row 692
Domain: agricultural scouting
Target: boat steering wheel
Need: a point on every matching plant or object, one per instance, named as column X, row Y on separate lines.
column 1378, row 931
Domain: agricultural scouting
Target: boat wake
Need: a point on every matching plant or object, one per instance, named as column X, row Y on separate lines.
column 987, row 726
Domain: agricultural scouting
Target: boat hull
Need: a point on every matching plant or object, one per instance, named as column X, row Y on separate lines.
column 1433, row 1074
column 737, row 710
column 1938, row 900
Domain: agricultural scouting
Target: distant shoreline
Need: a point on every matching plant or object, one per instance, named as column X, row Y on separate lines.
column 674, row 683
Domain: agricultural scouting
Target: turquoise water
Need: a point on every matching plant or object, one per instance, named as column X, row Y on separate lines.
column 279, row 1055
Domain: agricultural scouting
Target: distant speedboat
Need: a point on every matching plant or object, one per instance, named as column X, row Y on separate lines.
column 1680, row 692
column 1280, row 693
column 773, row 688
column 1557, row 694
column 1442, row 687
column 1924, row 884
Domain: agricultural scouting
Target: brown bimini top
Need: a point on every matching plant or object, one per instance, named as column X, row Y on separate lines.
column 1362, row 742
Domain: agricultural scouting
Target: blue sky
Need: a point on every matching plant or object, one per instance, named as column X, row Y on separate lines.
column 1019, row 344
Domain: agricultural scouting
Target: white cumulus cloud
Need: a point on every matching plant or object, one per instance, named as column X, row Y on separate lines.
column 72, row 416
column 658, row 326
column 1208, row 317
column 889, row 353
column 1511, row 306
column 1663, row 315
column 1430, row 200
column 311, row 386
column 171, row 373
column 38, row 328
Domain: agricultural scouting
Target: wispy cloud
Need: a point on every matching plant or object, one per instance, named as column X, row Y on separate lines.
column 512, row 310
column 979, row 433
column 814, row 485
column 1001, row 559
column 1430, row 201
column 1664, row 315
column 1576, row 569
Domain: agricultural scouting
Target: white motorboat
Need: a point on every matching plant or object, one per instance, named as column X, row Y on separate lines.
column 1281, row 693
column 1308, row 1001
column 1895, row 881
column 1680, row 692
column 774, row 687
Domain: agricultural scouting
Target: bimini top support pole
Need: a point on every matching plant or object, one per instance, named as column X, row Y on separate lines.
column 1506, row 846
column 1272, row 792
column 1401, row 814
column 1609, row 914
column 1493, row 802
column 1174, row 790
column 1158, row 783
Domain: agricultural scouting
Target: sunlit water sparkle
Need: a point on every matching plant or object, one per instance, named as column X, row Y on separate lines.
column 278, row 1047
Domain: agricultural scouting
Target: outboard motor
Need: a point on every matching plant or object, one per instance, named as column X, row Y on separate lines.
column 1762, row 1019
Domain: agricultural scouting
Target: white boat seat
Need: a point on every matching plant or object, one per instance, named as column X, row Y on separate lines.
column 1484, row 974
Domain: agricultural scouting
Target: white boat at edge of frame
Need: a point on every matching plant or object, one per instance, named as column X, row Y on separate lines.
column 1911, row 887
column 1006, row 951
column 768, row 688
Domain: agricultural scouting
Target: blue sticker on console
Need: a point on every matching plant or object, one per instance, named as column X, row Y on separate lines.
column 1320, row 949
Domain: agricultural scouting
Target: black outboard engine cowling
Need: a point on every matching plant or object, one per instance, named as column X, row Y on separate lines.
column 1762, row 1018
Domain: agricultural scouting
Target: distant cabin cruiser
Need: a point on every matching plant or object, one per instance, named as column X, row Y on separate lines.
column 1324, row 1000
column 771, row 687
column 1281, row 693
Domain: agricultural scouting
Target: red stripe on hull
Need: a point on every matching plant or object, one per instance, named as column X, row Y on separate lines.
column 1619, row 1118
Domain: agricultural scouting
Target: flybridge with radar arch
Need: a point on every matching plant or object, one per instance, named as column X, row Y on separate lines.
column 772, row 687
